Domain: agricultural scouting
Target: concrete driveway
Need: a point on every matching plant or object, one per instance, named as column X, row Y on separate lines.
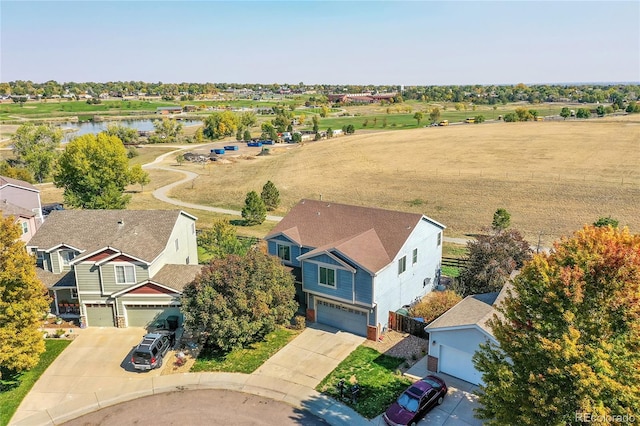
column 308, row 358
column 97, row 359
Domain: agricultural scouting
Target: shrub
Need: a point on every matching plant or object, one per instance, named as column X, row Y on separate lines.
column 435, row 304
column 299, row 322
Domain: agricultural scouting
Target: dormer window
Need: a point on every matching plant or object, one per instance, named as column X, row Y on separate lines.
column 67, row 256
column 125, row 274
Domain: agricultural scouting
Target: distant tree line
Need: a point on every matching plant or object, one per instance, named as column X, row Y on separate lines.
column 617, row 94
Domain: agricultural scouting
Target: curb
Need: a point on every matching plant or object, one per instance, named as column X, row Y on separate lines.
column 333, row 412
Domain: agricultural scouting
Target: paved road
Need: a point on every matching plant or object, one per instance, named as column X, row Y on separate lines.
column 161, row 193
column 199, row 407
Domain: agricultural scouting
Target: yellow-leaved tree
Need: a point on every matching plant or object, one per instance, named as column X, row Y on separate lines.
column 23, row 302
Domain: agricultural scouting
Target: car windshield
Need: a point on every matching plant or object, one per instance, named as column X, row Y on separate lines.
column 408, row 402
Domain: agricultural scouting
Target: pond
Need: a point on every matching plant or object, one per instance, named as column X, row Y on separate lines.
column 73, row 130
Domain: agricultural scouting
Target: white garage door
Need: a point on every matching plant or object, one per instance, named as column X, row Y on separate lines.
column 143, row 315
column 342, row 317
column 458, row 364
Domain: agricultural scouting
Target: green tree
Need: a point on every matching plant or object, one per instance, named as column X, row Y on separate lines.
column 127, row 135
column 254, row 211
column 23, row 302
column 166, row 131
column 94, row 171
column 523, row 114
column 606, row 221
column 316, row 123
column 492, row 258
column 270, row 196
column 324, row 111
column 139, row 176
column 568, row 335
column 583, row 113
column 329, row 132
column 269, row 131
column 501, row 220
column 478, row 119
column 237, row 300
column 248, row 119
column 418, row 116
column 35, row 146
column 246, row 136
column 221, row 240
column 600, row 110
column 510, row 117
column 220, row 125
column 15, row 172
column 565, row 112
column 434, row 115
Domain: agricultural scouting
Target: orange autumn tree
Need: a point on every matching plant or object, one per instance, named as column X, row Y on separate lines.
column 569, row 336
column 23, row 302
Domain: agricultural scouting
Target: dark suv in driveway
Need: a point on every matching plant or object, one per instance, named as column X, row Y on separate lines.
column 151, row 350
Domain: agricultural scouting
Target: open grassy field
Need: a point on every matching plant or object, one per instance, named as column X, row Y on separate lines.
column 552, row 177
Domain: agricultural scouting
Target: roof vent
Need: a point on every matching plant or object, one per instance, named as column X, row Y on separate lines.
column 318, row 213
column 121, row 223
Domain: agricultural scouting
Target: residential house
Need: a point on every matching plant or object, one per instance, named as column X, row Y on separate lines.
column 355, row 264
column 457, row 334
column 169, row 110
column 21, row 200
column 117, row 268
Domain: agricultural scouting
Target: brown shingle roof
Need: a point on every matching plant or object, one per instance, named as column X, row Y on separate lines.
column 17, row 182
column 140, row 233
column 52, row 280
column 9, row 209
column 176, row 276
column 370, row 236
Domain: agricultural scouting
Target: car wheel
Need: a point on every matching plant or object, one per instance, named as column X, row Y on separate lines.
column 440, row 400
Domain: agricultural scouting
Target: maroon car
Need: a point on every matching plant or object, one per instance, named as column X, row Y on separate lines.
column 416, row 401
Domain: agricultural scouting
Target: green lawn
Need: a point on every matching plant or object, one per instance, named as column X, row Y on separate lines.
column 451, row 271
column 11, row 399
column 61, row 108
column 245, row 360
column 376, row 374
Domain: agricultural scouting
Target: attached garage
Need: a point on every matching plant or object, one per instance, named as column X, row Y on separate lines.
column 143, row 315
column 459, row 364
column 341, row 317
column 99, row 315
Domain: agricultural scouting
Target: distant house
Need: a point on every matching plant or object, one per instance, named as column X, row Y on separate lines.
column 21, row 200
column 355, row 264
column 457, row 334
column 119, row 268
column 169, row 110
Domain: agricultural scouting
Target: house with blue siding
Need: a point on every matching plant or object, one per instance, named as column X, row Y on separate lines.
column 353, row 264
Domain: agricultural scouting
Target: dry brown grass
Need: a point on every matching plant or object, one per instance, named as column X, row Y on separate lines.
column 552, row 177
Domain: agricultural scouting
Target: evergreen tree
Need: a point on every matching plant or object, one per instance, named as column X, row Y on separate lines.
column 23, row 302
column 270, row 196
column 254, row 211
column 501, row 220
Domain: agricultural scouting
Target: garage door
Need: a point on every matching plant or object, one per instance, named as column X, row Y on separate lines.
column 143, row 315
column 458, row 364
column 99, row 315
column 342, row 317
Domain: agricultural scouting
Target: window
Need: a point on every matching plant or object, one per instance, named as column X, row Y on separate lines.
column 415, row 256
column 284, row 252
column 74, row 293
column 327, row 276
column 67, row 256
column 402, row 264
column 25, row 227
column 125, row 274
column 439, row 238
column 177, row 245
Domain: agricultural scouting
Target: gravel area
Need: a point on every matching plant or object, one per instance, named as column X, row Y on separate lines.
column 401, row 345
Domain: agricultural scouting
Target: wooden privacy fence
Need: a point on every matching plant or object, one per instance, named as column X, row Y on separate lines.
column 456, row 262
column 405, row 324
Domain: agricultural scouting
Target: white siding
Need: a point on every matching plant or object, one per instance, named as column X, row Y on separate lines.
column 187, row 246
column 392, row 291
column 467, row 340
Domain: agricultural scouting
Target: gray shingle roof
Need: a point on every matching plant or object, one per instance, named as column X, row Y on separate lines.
column 176, row 276
column 52, row 280
column 140, row 233
column 9, row 209
column 370, row 236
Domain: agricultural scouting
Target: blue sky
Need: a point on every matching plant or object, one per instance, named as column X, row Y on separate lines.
column 333, row 42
